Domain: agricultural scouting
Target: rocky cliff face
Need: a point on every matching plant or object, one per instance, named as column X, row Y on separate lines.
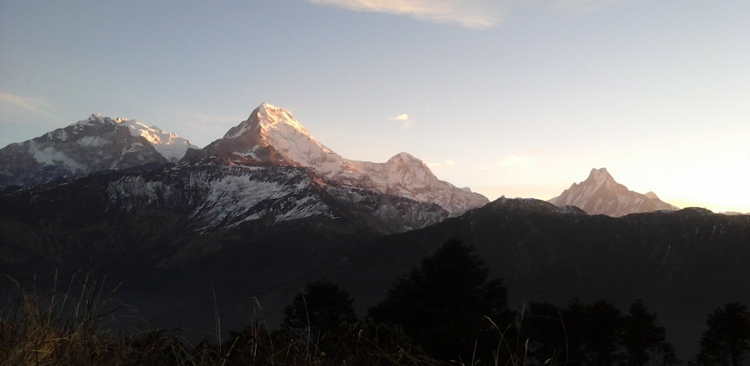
column 222, row 197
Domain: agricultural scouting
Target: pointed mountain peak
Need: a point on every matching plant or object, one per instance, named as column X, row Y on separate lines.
column 266, row 120
column 271, row 136
column 270, row 115
column 600, row 174
column 601, row 194
column 94, row 119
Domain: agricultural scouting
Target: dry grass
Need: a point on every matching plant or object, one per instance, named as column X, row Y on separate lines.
column 70, row 328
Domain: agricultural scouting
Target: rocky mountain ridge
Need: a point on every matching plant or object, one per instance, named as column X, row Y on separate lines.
column 271, row 136
column 95, row 144
column 601, row 194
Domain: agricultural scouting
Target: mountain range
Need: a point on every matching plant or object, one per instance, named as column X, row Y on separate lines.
column 189, row 232
column 269, row 137
column 272, row 137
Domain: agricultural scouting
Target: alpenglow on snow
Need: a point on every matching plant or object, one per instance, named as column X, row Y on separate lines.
column 94, row 144
column 272, row 136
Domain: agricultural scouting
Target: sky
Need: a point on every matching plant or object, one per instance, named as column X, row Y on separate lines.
column 519, row 98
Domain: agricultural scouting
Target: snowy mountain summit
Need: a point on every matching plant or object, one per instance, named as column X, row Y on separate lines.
column 271, row 136
column 601, row 194
column 94, row 144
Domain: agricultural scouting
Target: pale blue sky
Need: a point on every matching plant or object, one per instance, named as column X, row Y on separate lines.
column 508, row 97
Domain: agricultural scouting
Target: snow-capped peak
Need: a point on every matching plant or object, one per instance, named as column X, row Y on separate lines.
column 168, row 145
column 404, row 157
column 271, row 115
column 267, row 119
column 93, row 144
column 271, row 135
column 93, row 120
column 405, row 170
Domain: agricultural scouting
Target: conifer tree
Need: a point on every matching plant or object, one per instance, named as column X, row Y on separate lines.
column 642, row 339
column 322, row 307
column 444, row 305
column 726, row 342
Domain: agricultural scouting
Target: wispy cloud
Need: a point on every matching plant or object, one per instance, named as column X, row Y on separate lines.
column 465, row 13
column 403, row 119
column 514, row 161
column 27, row 104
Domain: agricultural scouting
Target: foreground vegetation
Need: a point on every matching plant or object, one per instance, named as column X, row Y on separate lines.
column 446, row 312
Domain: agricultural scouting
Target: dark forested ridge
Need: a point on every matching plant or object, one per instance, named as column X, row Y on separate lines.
column 681, row 264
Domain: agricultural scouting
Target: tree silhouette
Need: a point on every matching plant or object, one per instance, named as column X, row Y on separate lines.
column 321, row 308
column 444, row 304
column 601, row 332
column 595, row 334
column 592, row 332
column 642, row 339
column 544, row 328
column 727, row 339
